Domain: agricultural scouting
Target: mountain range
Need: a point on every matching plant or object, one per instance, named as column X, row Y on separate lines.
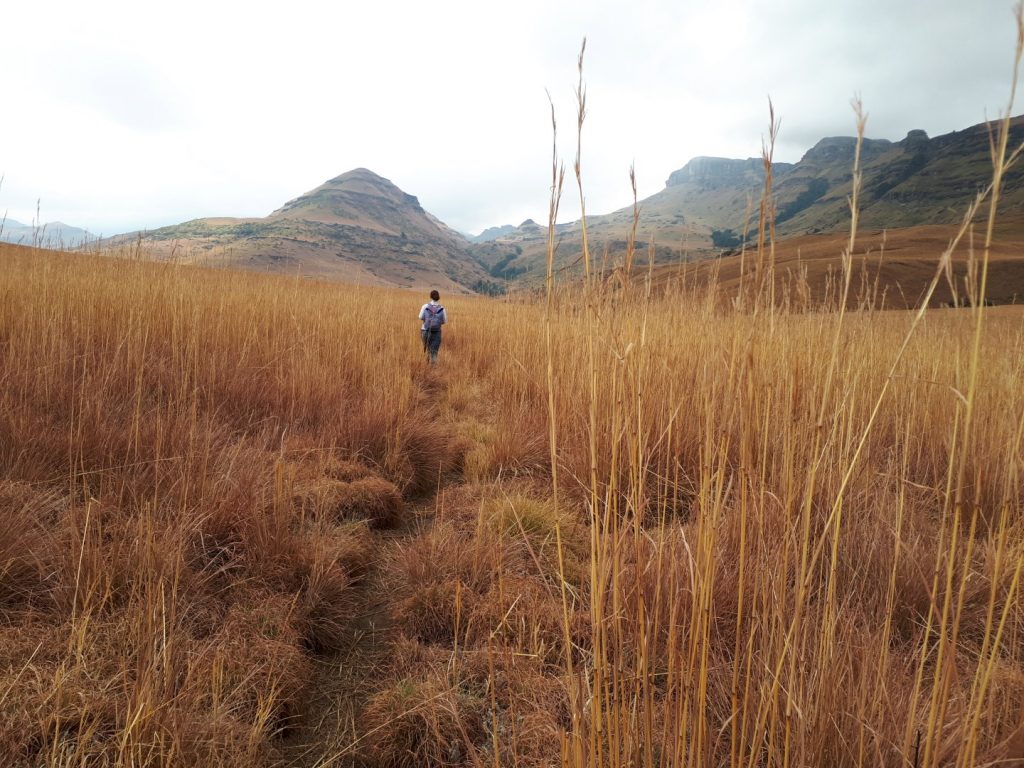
column 360, row 227
column 54, row 234
column 708, row 204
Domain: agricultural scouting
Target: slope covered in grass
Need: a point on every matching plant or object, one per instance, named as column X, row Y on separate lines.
column 892, row 268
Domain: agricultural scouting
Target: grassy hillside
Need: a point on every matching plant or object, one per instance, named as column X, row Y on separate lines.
column 247, row 526
column 892, row 268
column 357, row 227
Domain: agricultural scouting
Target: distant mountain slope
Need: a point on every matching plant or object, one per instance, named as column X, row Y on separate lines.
column 522, row 253
column 706, row 205
column 492, row 233
column 906, row 183
column 894, row 270
column 55, row 234
column 357, row 227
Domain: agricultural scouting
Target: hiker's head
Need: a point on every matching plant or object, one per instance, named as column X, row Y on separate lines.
column 435, row 295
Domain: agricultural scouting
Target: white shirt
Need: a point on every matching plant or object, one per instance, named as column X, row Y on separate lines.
column 423, row 314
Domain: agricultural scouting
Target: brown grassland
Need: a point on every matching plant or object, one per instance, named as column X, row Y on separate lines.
column 244, row 523
column 198, row 468
column 893, row 269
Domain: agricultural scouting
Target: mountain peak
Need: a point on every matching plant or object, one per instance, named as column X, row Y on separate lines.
column 366, row 182
column 358, row 174
column 346, row 198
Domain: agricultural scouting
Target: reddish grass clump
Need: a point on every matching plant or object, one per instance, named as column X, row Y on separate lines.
column 423, row 721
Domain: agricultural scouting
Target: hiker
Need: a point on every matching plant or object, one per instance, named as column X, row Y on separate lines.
column 433, row 316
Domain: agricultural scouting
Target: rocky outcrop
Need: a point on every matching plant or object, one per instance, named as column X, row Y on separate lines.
column 714, row 172
column 915, row 138
column 838, row 150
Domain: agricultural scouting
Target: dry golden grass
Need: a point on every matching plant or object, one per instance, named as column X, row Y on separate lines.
column 764, row 574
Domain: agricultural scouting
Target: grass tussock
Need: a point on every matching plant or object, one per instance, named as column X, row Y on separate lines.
column 486, row 572
column 423, row 721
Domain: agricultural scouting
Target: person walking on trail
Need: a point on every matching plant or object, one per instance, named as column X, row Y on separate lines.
column 433, row 316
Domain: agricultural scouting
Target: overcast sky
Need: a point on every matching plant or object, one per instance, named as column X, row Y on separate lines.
column 126, row 115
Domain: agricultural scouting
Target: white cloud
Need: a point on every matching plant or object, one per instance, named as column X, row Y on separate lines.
column 124, row 115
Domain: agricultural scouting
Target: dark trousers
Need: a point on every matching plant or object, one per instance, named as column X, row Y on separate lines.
column 431, row 343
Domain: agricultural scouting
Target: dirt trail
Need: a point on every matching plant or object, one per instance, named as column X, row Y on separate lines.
column 327, row 733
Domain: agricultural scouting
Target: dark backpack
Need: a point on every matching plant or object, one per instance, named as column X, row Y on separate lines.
column 434, row 318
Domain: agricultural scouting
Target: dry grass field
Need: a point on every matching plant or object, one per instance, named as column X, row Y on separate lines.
column 244, row 524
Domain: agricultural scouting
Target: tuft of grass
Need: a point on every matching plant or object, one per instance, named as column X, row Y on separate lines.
column 368, row 498
column 423, row 721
